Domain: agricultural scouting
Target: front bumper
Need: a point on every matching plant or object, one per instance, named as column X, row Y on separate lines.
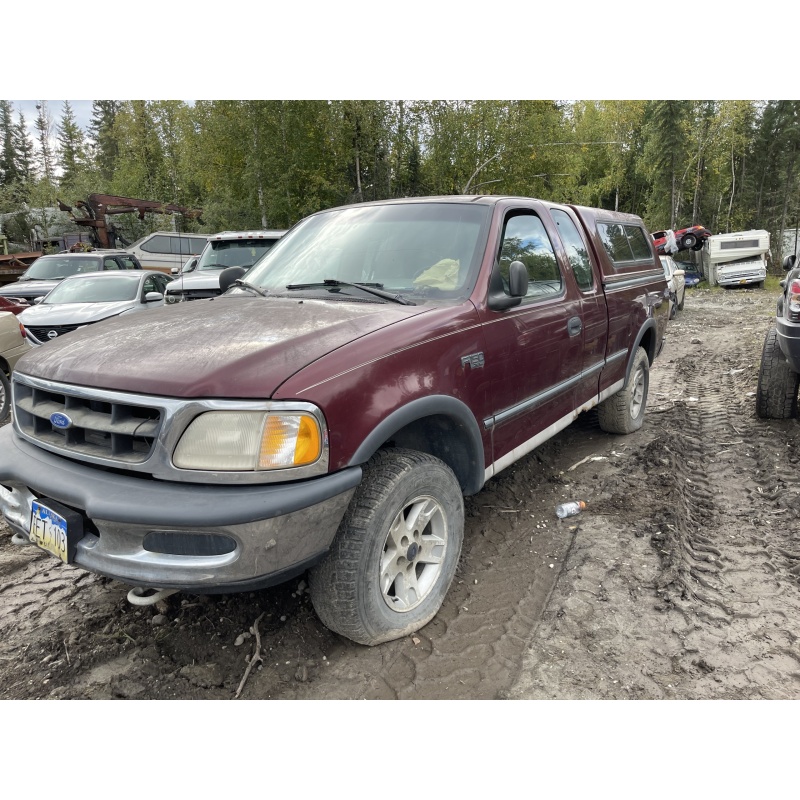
column 741, row 280
column 274, row 531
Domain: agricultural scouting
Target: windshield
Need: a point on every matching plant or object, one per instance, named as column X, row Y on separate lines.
column 56, row 267
column 410, row 248
column 108, row 289
column 234, row 253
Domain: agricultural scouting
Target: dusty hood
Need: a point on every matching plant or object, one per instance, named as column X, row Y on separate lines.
column 72, row 313
column 236, row 346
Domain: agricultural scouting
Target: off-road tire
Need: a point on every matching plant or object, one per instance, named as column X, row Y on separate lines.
column 350, row 589
column 623, row 412
column 776, row 395
column 5, row 396
column 689, row 241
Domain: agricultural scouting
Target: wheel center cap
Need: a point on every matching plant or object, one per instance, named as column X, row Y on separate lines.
column 412, row 551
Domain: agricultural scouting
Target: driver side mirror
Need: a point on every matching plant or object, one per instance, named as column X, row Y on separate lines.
column 37, row 300
column 153, row 297
column 174, row 271
column 679, row 272
column 517, row 286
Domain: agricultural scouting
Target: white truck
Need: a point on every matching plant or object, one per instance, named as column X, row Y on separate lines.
column 736, row 259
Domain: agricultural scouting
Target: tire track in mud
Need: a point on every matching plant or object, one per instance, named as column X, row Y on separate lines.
column 712, row 506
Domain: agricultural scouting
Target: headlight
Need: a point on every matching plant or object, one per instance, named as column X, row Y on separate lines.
column 249, row 441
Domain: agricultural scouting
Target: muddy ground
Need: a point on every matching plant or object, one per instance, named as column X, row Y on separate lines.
column 680, row 580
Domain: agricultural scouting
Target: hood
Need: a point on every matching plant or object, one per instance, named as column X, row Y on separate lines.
column 32, row 288
column 72, row 313
column 228, row 347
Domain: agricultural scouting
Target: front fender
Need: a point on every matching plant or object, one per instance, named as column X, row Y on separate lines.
column 460, row 444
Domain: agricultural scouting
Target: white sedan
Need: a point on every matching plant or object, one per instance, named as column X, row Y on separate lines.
column 677, row 285
column 84, row 299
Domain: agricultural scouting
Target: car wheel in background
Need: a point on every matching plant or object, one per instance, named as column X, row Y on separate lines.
column 689, row 241
column 776, row 395
column 683, row 300
column 673, row 306
column 5, row 396
column 623, row 412
column 396, row 550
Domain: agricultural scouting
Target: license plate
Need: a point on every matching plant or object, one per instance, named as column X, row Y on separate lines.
column 50, row 531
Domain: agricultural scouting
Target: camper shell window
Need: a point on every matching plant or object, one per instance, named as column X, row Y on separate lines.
column 624, row 243
column 739, row 244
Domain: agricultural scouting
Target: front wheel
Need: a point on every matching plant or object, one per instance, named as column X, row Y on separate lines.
column 776, row 394
column 623, row 412
column 396, row 550
column 689, row 241
column 5, row 396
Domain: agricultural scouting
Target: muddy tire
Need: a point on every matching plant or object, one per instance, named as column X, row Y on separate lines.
column 5, row 396
column 776, row 395
column 396, row 550
column 624, row 411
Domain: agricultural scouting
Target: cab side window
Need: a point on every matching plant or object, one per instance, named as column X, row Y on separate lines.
column 525, row 239
column 110, row 263
column 576, row 249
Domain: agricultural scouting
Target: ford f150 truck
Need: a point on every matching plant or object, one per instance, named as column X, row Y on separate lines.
column 330, row 411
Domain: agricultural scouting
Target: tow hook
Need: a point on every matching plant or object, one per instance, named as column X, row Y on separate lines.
column 141, row 595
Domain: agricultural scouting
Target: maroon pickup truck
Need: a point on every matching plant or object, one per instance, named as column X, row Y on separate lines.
column 332, row 408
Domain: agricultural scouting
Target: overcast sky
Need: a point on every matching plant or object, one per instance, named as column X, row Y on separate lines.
column 81, row 108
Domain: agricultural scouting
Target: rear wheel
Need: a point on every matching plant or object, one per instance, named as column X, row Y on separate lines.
column 776, row 395
column 689, row 241
column 683, row 299
column 673, row 306
column 624, row 411
column 396, row 550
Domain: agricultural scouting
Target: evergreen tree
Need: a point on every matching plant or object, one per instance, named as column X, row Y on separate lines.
column 103, row 137
column 9, row 168
column 71, row 147
column 25, row 152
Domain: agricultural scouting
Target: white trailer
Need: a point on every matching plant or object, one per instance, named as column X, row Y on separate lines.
column 736, row 259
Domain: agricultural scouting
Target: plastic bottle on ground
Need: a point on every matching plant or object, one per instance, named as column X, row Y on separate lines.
column 570, row 509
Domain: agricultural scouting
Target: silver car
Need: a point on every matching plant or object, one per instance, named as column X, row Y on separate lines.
column 85, row 299
column 12, row 346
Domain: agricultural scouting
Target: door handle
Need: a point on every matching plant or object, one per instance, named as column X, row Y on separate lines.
column 574, row 326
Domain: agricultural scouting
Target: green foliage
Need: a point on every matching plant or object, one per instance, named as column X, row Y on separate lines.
column 729, row 165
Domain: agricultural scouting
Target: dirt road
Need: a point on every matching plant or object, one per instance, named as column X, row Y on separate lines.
column 680, row 580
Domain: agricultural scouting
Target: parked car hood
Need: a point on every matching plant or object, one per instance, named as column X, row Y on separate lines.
column 205, row 279
column 234, row 347
column 73, row 313
column 27, row 288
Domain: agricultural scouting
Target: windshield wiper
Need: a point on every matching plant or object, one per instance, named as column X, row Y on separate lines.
column 246, row 285
column 370, row 288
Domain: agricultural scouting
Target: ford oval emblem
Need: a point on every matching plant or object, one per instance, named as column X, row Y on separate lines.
column 60, row 420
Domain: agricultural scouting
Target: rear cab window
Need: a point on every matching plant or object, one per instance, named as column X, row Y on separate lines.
column 626, row 244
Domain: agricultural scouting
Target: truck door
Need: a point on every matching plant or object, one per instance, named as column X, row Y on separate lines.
column 593, row 311
column 534, row 351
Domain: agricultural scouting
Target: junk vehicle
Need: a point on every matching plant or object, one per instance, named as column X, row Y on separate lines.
column 225, row 249
column 736, row 259
column 330, row 411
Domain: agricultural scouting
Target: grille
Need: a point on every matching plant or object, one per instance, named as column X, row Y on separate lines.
column 111, row 430
column 41, row 332
column 192, row 294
